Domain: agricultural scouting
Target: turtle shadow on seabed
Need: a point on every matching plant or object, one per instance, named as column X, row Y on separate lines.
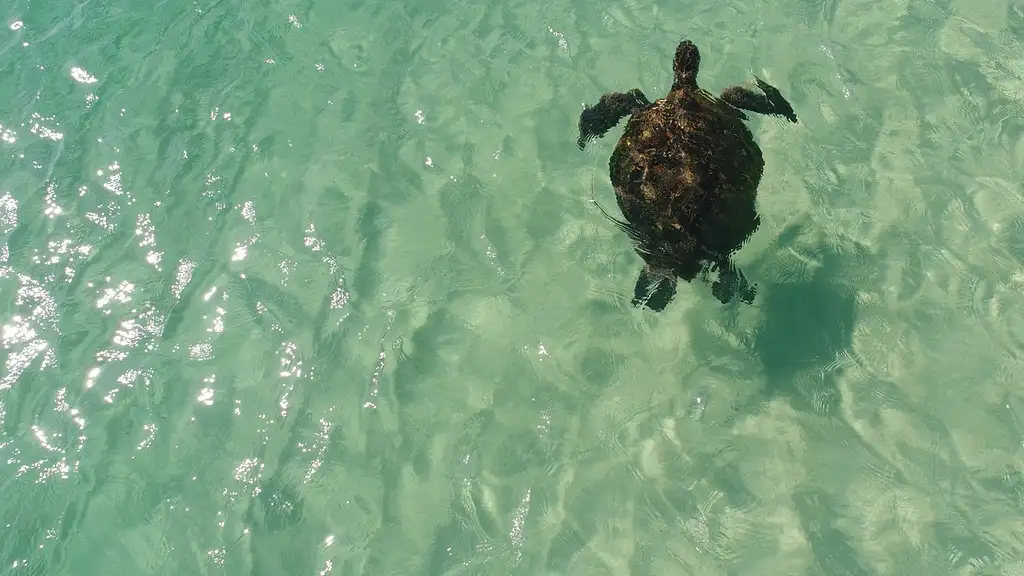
column 807, row 314
column 805, row 326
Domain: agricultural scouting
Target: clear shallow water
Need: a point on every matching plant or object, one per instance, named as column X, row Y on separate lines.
column 308, row 288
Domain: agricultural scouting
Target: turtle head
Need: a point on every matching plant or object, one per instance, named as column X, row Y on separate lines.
column 686, row 64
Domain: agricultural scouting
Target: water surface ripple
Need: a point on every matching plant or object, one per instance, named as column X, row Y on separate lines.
column 320, row 288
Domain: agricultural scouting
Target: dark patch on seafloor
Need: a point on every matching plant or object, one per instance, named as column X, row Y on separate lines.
column 805, row 325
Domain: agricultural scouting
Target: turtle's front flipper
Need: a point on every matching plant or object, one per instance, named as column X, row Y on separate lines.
column 603, row 116
column 731, row 283
column 658, row 296
column 770, row 102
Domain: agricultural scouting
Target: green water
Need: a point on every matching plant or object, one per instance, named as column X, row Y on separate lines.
column 320, row 288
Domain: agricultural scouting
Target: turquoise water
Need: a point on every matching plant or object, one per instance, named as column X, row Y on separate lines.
column 320, row 288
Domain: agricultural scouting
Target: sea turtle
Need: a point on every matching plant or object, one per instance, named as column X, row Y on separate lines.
column 685, row 173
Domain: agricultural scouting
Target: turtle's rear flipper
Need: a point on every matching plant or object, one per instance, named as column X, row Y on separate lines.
column 655, row 288
column 732, row 283
column 603, row 116
column 770, row 102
